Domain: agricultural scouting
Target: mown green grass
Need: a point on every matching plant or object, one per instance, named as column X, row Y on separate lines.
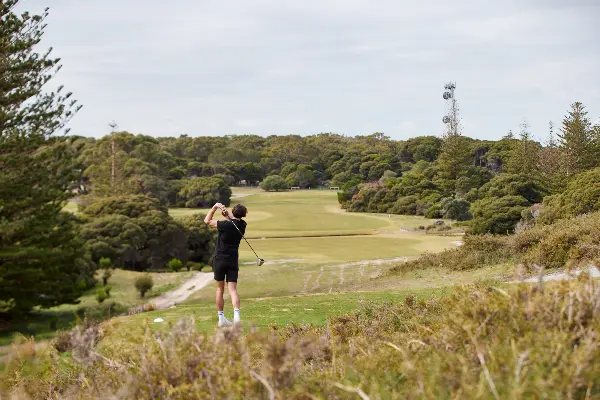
column 309, row 227
column 295, row 279
column 123, row 295
column 306, row 213
column 344, row 248
column 304, row 236
column 123, row 291
column 262, row 312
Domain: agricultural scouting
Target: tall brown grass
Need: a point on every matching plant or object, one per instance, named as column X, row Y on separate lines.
column 522, row 341
column 568, row 242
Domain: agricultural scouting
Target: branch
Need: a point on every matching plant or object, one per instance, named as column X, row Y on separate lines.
column 350, row 389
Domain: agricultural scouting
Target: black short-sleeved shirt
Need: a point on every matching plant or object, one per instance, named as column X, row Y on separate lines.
column 229, row 239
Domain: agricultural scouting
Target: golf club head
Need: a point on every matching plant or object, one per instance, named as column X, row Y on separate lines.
column 260, row 261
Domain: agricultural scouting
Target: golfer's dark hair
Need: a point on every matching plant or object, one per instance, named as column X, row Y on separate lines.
column 239, row 211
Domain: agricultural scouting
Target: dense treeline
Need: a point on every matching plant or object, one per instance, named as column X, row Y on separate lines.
column 42, row 258
column 490, row 183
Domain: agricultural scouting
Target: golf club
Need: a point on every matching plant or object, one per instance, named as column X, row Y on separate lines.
column 259, row 261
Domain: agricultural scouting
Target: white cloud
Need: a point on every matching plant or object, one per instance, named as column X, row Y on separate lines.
column 350, row 66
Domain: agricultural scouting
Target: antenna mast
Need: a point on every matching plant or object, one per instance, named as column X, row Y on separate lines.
column 451, row 118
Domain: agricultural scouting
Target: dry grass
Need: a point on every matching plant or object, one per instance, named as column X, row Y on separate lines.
column 569, row 242
column 481, row 342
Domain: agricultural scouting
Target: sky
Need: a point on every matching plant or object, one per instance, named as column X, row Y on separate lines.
column 353, row 67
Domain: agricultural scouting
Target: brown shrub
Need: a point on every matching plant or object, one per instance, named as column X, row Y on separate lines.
column 481, row 342
column 575, row 241
column 477, row 251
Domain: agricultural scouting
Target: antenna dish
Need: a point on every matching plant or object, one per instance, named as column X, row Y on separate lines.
column 447, row 95
column 446, row 119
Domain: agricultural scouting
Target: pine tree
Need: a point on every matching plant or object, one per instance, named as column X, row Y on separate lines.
column 42, row 262
column 525, row 153
column 549, row 162
column 576, row 140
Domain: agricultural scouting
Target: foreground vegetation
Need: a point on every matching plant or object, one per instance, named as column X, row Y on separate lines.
column 43, row 324
column 480, row 342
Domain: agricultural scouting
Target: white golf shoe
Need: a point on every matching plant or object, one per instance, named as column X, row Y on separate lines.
column 223, row 323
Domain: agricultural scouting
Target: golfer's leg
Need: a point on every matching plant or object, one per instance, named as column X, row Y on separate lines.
column 235, row 298
column 219, row 295
column 232, row 276
column 220, row 303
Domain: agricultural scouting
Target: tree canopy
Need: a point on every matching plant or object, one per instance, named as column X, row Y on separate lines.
column 42, row 260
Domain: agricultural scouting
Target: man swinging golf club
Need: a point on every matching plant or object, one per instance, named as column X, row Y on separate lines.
column 225, row 264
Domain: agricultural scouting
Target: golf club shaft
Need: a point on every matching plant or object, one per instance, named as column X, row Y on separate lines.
column 230, row 220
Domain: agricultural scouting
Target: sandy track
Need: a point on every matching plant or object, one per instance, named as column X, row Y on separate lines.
column 563, row 275
column 189, row 287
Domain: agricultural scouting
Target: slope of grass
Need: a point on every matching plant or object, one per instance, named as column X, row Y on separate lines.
column 344, row 248
column 123, row 291
column 261, row 312
column 307, row 213
column 478, row 342
column 42, row 324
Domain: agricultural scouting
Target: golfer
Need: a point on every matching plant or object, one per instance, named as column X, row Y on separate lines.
column 225, row 264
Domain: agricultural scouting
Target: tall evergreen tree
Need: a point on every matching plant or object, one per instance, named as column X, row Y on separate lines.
column 576, row 140
column 525, row 153
column 41, row 260
column 549, row 162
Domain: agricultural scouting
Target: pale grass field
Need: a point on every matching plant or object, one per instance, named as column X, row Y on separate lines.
column 123, row 291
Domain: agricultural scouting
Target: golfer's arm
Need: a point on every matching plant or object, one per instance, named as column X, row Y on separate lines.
column 208, row 220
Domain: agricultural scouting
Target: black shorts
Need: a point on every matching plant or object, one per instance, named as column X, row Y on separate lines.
column 225, row 269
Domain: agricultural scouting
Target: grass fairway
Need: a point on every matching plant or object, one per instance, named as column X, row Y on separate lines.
column 261, row 312
column 123, row 293
column 308, row 226
column 334, row 249
column 307, row 213
column 313, row 250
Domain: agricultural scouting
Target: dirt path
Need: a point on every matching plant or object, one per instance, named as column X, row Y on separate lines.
column 187, row 288
column 562, row 275
column 169, row 299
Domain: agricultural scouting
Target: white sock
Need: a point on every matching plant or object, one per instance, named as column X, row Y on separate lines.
column 221, row 316
column 236, row 315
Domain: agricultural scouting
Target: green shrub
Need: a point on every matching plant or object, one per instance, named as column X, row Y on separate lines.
column 497, row 215
column 434, row 212
column 175, row 265
column 101, row 295
column 581, row 196
column 198, row 266
column 205, row 191
column 455, row 209
column 131, row 206
column 274, row 183
column 106, row 265
column 143, row 284
column 477, row 251
column 405, row 206
column 575, row 240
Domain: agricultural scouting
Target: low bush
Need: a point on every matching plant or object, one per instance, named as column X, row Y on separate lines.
column 570, row 241
column 476, row 252
column 175, row 265
column 143, row 284
column 481, row 342
column 575, row 240
column 101, row 295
